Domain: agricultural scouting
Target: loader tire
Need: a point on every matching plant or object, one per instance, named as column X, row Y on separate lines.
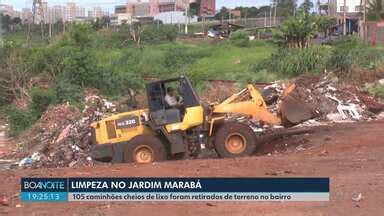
column 144, row 149
column 235, row 139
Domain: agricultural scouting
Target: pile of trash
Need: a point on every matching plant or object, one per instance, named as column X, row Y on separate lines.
column 65, row 141
column 328, row 100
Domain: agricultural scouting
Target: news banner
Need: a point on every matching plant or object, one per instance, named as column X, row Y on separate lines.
column 173, row 189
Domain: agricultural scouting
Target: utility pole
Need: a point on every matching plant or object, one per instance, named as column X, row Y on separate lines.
column 270, row 13
column 29, row 31
column 345, row 18
column 63, row 26
column 50, row 29
column 1, row 29
column 37, row 9
column 275, row 13
column 365, row 20
column 186, row 5
column 265, row 19
column 246, row 17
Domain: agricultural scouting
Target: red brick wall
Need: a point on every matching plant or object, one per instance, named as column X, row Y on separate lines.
column 207, row 7
column 375, row 32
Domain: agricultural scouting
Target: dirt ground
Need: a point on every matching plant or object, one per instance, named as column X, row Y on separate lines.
column 350, row 154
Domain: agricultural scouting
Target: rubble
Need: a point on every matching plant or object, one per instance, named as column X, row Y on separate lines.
column 348, row 111
column 334, row 117
column 328, row 100
column 380, row 116
column 358, row 198
column 4, row 201
column 30, row 159
column 65, row 134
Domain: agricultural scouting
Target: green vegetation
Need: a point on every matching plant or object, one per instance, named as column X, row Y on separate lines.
column 240, row 39
column 351, row 52
column 19, row 120
column 41, row 99
column 375, row 10
column 298, row 31
column 88, row 56
column 376, row 90
column 227, row 61
column 294, row 62
column 342, row 57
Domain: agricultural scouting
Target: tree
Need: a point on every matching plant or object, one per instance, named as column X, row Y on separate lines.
column 307, row 6
column 249, row 12
column 60, row 25
column 375, row 10
column 325, row 8
column 325, row 23
column 14, row 76
column 81, row 35
column 297, row 31
column 222, row 14
column 286, row 8
column 96, row 24
column 193, row 9
column 101, row 22
column 16, row 20
column 6, row 22
column 136, row 30
column 105, row 21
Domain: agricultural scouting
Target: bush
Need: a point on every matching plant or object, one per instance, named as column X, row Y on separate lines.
column 376, row 90
column 68, row 92
column 3, row 102
column 81, row 68
column 41, row 99
column 163, row 33
column 19, row 120
column 297, row 31
column 350, row 52
column 81, row 35
column 294, row 62
column 240, row 39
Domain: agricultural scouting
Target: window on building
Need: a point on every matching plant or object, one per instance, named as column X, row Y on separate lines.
column 344, row 7
column 359, row 8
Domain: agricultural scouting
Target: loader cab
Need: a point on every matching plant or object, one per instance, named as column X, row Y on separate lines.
column 163, row 114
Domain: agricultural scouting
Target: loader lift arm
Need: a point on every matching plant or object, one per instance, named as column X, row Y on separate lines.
column 250, row 102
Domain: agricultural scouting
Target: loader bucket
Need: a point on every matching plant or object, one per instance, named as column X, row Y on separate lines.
column 292, row 109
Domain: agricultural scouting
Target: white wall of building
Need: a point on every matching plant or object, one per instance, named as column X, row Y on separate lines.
column 173, row 17
column 124, row 18
column 353, row 6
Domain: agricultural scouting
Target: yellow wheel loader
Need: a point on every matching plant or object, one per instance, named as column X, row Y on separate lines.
column 164, row 132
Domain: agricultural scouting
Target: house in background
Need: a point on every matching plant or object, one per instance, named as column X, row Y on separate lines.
column 353, row 9
column 166, row 11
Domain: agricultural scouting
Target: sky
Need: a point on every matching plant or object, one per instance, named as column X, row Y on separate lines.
column 109, row 4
